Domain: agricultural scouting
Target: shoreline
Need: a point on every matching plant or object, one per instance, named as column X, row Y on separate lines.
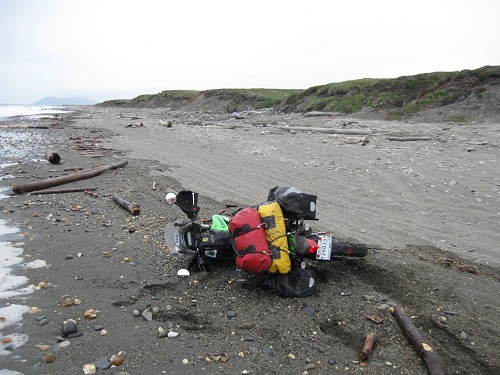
column 225, row 325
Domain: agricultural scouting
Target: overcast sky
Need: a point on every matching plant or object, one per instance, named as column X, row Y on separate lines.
column 107, row 49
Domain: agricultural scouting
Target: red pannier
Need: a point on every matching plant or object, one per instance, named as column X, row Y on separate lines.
column 249, row 241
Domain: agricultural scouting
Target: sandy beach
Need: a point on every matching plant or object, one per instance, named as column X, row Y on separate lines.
column 425, row 196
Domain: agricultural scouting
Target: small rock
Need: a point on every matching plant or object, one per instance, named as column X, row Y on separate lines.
column 249, row 338
column 450, row 312
column 90, row 314
column 162, row 332
column 185, row 361
column 73, row 335
column 89, row 369
column 102, row 363
column 231, row 314
column 49, row 358
column 65, row 301
column 117, row 361
column 43, row 322
column 69, row 327
column 43, row 348
column 98, row 327
column 136, row 313
column 172, row 335
column 148, row 315
column 64, row 344
column 104, row 332
column 6, row 340
column 291, row 356
column 68, row 257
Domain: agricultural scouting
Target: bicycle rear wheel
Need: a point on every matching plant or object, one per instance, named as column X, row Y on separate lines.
column 356, row 250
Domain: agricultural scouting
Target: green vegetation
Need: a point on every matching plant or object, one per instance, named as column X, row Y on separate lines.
column 398, row 97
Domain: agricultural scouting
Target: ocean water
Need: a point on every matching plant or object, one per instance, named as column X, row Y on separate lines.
column 8, row 110
column 16, row 145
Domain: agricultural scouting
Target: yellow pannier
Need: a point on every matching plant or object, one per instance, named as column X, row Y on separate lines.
column 272, row 216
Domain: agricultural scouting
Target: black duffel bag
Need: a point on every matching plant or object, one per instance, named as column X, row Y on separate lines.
column 294, row 203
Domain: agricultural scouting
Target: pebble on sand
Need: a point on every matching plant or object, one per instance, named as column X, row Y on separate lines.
column 117, row 361
column 49, row 358
column 90, row 314
column 89, row 369
column 6, row 340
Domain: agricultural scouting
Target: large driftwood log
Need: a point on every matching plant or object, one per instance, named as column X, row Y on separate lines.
column 417, row 340
column 51, row 182
column 52, row 156
column 62, row 191
column 326, row 130
column 130, row 207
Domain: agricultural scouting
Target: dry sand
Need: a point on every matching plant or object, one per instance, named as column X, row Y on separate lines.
column 430, row 208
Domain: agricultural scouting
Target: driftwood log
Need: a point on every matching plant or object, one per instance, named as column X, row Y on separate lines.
column 326, row 130
column 130, row 207
column 62, row 191
column 367, row 350
column 417, row 340
column 409, row 139
column 51, row 182
column 52, row 156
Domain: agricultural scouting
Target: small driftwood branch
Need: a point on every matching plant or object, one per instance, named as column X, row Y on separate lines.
column 93, row 193
column 417, row 340
column 62, row 191
column 408, row 139
column 130, row 207
column 132, row 117
column 51, row 182
column 326, row 130
column 52, row 156
column 367, row 350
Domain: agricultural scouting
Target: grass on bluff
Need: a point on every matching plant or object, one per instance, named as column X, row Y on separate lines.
column 400, row 96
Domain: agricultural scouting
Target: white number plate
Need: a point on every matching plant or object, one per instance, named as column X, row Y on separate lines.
column 325, row 247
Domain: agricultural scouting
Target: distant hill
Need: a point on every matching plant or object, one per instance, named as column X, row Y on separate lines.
column 50, row 100
column 444, row 96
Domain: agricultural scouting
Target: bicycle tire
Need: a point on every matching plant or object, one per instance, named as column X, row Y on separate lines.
column 355, row 250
